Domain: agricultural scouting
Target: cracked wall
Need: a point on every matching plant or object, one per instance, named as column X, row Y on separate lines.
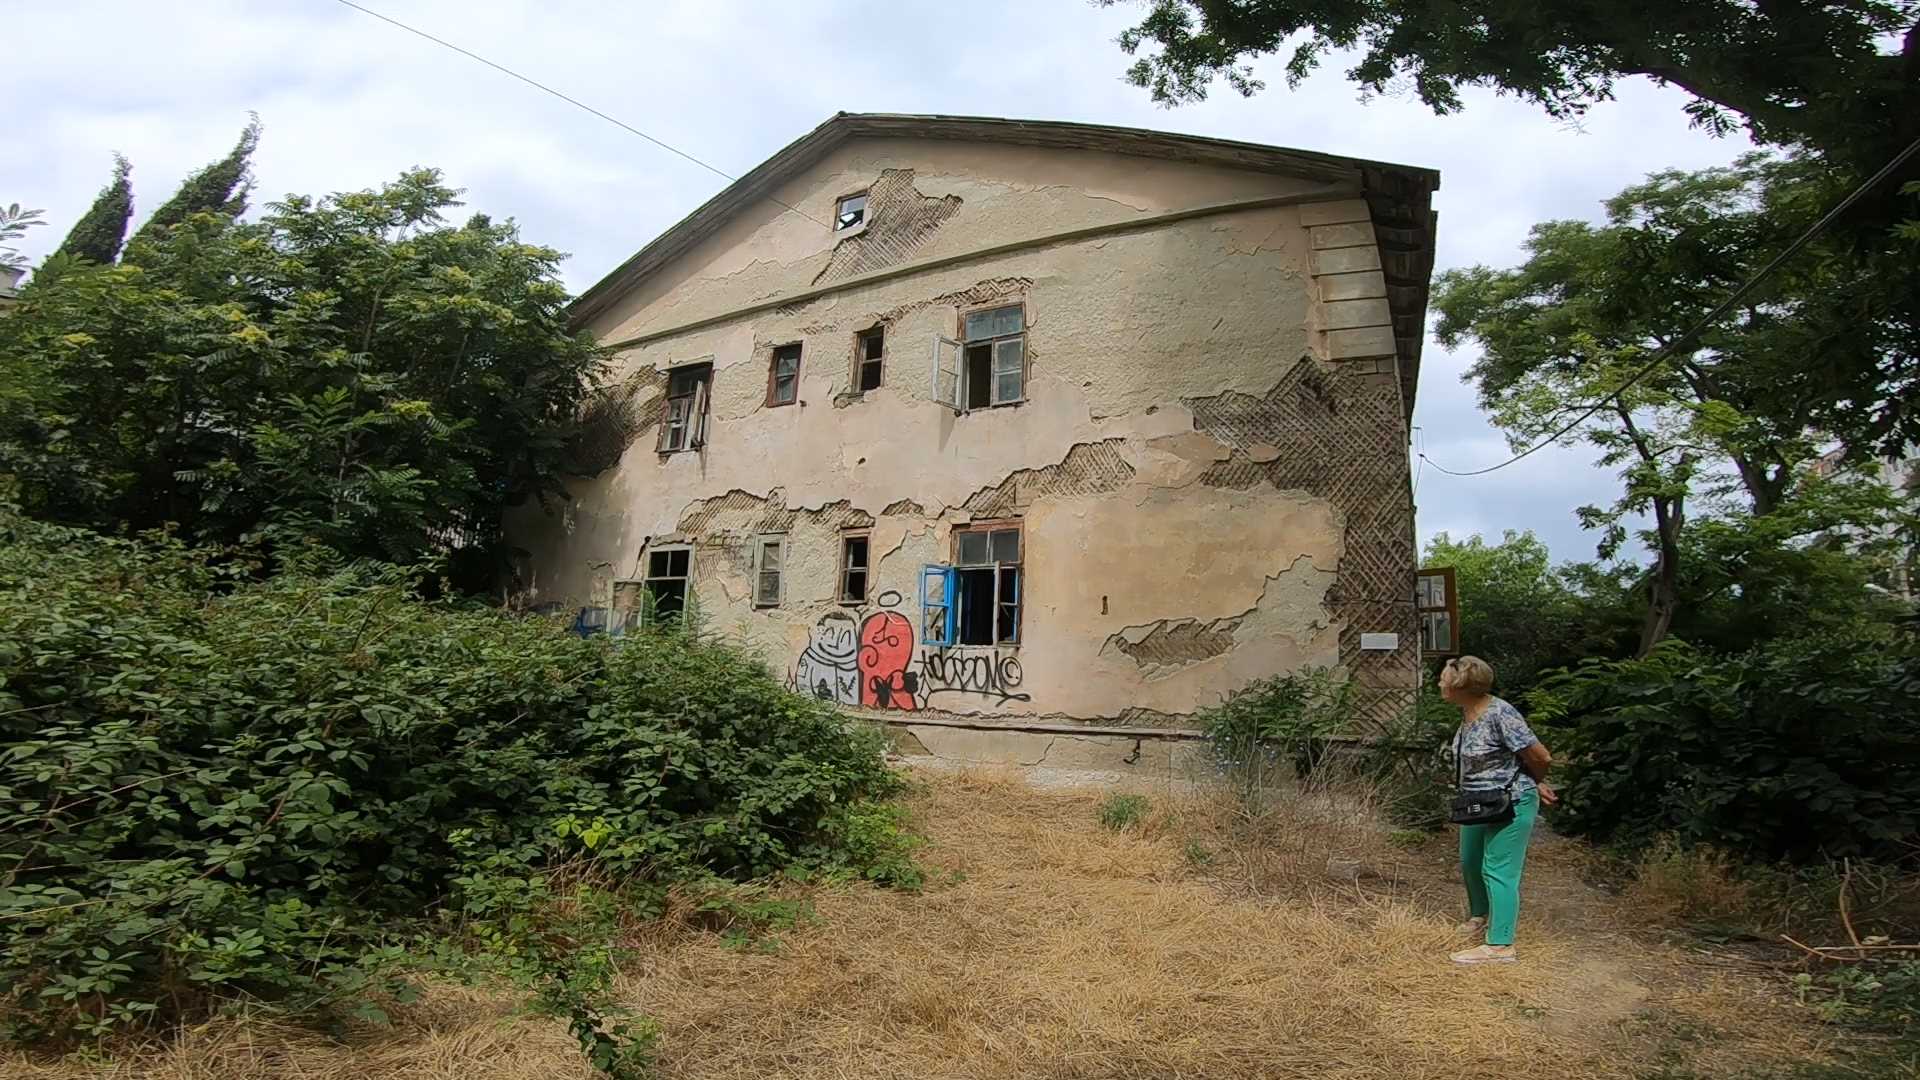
column 1186, row 530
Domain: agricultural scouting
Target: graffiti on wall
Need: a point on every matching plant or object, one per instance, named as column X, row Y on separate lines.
column 828, row 668
column 870, row 659
column 991, row 675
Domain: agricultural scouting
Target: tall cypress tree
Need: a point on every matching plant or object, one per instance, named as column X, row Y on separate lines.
column 103, row 228
column 221, row 188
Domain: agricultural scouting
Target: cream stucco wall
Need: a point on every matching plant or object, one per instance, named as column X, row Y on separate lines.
column 1185, row 529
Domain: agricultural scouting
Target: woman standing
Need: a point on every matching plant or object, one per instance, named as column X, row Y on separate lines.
column 1494, row 752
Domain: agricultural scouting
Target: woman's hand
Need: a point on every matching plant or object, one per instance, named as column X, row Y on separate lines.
column 1548, row 796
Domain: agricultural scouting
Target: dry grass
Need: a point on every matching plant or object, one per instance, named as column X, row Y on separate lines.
column 1198, row 942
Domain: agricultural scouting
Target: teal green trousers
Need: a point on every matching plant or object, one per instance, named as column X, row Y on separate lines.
column 1491, row 859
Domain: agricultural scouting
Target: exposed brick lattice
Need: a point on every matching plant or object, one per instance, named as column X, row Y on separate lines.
column 899, row 219
column 1088, row 469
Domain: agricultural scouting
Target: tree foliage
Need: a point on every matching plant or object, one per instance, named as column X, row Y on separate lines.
column 1729, row 423
column 98, row 234
column 1803, row 748
column 1521, row 613
column 214, row 786
column 14, row 223
column 1808, row 74
column 219, row 188
column 349, row 369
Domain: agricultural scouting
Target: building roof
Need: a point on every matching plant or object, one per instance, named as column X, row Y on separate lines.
column 1399, row 197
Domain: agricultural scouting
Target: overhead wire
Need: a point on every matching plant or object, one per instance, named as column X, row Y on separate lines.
column 1672, row 348
column 577, row 103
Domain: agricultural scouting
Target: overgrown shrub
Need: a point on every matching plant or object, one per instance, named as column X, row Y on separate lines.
column 1799, row 750
column 214, row 787
column 1289, row 719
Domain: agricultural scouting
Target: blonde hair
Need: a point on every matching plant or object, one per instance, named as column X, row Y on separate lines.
column 1471, row 674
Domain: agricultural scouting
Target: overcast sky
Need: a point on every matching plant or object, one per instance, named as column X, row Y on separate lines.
column 348, row 101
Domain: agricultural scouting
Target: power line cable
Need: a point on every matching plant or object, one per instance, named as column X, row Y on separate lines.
column 1668, row 350
column 504, row 70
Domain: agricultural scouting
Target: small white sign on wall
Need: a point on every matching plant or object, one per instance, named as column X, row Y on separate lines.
column 1380, row 642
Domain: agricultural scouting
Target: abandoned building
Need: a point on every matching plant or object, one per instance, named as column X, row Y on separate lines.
column 985, row 424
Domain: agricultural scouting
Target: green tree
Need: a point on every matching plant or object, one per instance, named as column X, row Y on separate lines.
column 1728, row 424
column 98, row 234
column 1811, row 74
column 14, row 223
column 350, row 369
column 220, row 188
column 1520, row 613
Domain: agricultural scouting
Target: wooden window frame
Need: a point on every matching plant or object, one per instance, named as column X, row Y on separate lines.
column 647, row 576
column 1018, row 566
column 761, row 542
column 773, row 372
column 860, row 361
column 992, row 344
column 1450, row 608
column 841, row 232
column 847, row 568
column 701, row 400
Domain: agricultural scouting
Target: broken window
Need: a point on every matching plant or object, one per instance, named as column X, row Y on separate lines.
column 995, row 364
column 869, row 347
column 986, row 585
column 849, row 211
column 1438, row 608
column 668, row 571
column 783, row 375
column 853, row 568
column 684, row 425
column 769, row 557
column 936, row 606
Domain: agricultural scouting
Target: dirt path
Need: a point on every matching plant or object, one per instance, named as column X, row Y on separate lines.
column 1194, row 944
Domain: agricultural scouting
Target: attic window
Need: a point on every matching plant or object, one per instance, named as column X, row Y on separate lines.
column 850, row 211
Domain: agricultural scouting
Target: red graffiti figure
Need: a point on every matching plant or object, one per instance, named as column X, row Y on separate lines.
column 886, row 659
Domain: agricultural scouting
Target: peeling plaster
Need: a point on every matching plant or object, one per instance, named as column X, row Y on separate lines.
column 1191, row 482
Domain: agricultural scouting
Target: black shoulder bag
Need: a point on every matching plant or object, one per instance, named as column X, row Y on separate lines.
column 1476, row 807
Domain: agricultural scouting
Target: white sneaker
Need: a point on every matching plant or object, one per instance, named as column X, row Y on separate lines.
column 1472, row 927
column 1486, row 954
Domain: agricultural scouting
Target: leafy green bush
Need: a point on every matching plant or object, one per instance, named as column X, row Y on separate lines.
column 1800, row 749
column 1119, row 811
column 215, row 787
column 1285, row 718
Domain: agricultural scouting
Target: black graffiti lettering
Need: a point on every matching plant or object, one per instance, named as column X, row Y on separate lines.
column 987, row 675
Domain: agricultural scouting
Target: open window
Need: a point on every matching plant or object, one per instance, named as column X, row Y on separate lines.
column 1438, row 607
column 994, row 366
column 986, row 585
column 684, row 424
column 769, row 563
column 783, row 375
column 669, row 569
column 936, row 606
column 849, row 212
column 853, row 568
column 869, row 351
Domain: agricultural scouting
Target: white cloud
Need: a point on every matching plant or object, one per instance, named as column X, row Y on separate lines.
column 349, row 101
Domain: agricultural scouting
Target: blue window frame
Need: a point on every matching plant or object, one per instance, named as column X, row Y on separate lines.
column 936, row 606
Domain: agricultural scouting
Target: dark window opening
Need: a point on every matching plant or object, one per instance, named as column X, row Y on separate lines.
column 976, row 605
column 783, row 376
column 684, row 424
column 996, row 357
column 853, row 570
column 987, row 586
column 849, row 211
column 666, row 584
column 872, row 347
